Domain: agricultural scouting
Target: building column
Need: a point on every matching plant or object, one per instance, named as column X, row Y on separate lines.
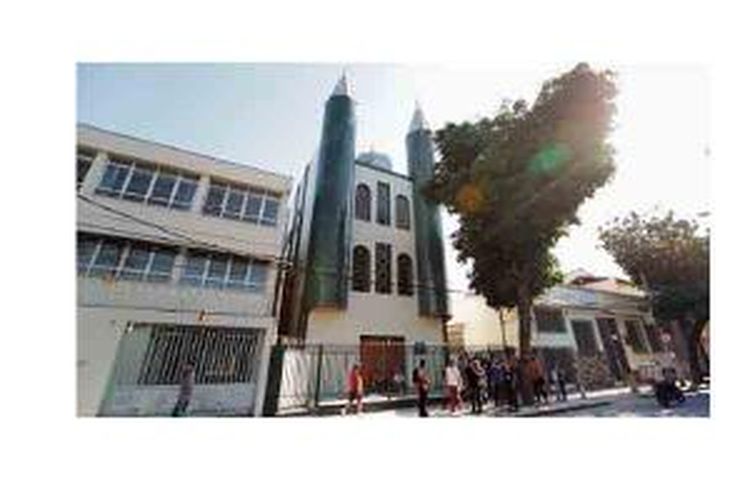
column 95, row 174
column 200, row 194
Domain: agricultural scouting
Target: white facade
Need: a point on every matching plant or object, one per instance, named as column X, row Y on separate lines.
column 481, row 326
column 372, row 313
column 109, row 308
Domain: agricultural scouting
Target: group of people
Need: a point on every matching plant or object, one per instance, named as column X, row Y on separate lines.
column 481, row 379
column 478, row 379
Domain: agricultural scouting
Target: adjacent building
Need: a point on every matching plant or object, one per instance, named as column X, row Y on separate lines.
column 177, row 257
column 600, row 329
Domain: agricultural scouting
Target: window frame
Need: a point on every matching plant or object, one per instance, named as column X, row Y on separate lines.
column 248, row 193
column 403, row 214
column 363, row 203
column 404, row 286
column 383, row 204
column 363, row 285
column 157, row 170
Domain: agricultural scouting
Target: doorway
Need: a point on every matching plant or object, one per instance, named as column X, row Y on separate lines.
column 618, row 362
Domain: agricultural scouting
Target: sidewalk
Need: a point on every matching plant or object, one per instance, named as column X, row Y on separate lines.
column 406, row 406
column 575, row 402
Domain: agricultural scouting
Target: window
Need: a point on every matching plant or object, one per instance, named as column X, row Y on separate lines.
column 361, row 269
column 384, row 204
column 114, row 178
column 583, row 331
column 270, row 210
column 215, row 270
column 162, row 262
column 183, row 197
column 124, row 259
column 254, row 204
column 137, row 181
column 86, row 247
column 215, row 199
column 383, row 268
column 107, row 258
column 549, row 320
column 221, row 355
column 84, row 159
column 163, row 187
column 634, row 338
column 402, row 212
column 362, row 203
column 237, row 202
column 405, row 275
column 195, row 268
column 136, row 262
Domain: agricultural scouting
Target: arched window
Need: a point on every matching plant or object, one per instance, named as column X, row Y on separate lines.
column 362, row 202
column 405, row 275
column 361, row 269
column 402, row 212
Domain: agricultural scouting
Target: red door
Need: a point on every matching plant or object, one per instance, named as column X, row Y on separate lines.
column 382, row 358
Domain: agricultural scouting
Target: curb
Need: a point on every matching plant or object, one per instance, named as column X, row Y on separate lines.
column 556, row 411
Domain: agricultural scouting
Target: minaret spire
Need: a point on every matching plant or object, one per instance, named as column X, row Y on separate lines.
column 342, row 87
column 418, row 121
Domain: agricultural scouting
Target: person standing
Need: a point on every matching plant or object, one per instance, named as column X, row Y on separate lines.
column 477, row 382
column 453, row 384
column 537, row 380
column 508, row 380
column 495, row 382
column 422, row 384
column 356, row 389
column 187, row 381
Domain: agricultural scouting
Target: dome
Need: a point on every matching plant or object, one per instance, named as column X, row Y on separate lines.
column 375, row 159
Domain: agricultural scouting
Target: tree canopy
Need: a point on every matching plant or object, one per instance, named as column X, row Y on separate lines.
column 515, row 180
column 669, row 257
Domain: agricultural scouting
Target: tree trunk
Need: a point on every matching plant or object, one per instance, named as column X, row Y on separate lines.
column 524, row 339
column 693, row 331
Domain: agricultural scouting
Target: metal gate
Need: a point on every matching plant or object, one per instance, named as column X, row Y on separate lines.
column 145, row 375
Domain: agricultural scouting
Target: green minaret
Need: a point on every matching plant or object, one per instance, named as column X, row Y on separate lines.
column 330, row 230
column 428, row 231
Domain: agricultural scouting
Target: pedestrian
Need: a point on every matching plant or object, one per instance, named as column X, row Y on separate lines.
column 537, row 379
column 562, row 382
column 495, row 382
column 356, row 389
column 479, row 386
column 509, row 383
column 422, row 384
column 187, row 381
column 453, row 385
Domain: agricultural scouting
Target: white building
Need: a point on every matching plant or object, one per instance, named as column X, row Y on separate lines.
column 177, row 257
column 602, row 327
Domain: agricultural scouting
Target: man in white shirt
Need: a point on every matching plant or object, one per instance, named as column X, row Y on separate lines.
column 453, row 383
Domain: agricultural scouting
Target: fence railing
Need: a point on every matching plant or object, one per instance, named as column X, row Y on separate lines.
column 315, row 375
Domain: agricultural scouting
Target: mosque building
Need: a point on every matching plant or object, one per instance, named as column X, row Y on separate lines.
column 366, row 265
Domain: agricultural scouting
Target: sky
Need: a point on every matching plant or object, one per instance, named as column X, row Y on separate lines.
column 269, row 116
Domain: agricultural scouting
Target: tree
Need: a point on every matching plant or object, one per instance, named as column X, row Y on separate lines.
column 516, row 180
column 669, row 257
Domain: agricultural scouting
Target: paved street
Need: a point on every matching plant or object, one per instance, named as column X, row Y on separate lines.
column 696, row 405
column 607, row 403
